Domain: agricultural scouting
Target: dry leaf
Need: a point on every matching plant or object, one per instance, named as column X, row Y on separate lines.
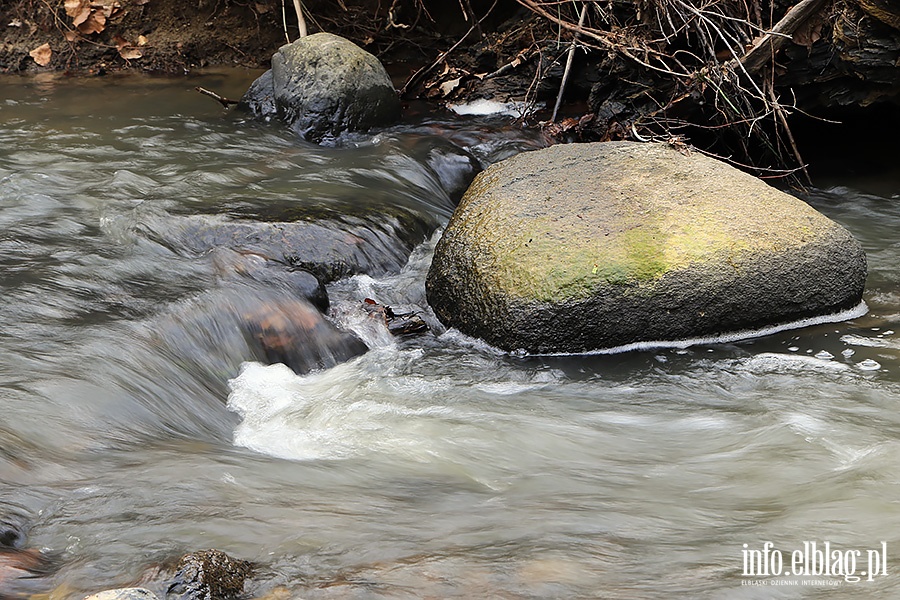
column 130, row 53
column 94, row 24
column 809, row 32
column 111, row 10
column 142, row 40
column 42, row 54
column 126, row 49
column 81, row 17
column 72, row 36
column 14, row 23
column 75, row 7
column 448, row 86
column 261, row 8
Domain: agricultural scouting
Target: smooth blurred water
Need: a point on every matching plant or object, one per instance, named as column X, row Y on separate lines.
column 132, row 430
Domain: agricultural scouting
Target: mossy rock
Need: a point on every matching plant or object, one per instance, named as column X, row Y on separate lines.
column 322, row 85
column 589, row 246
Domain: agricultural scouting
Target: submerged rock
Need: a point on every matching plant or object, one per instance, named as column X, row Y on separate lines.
column 209, row 575
column 20, row 569
column 294, row 333
column 329, row 248
column 273, row 273
column 589, row 246
column 322, row 85
column 217, row 331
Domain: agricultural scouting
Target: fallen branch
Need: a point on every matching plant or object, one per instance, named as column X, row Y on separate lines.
column 226, row 102
column 284, row 22
column 520, row 59
column 607, row 39
column 765, row 47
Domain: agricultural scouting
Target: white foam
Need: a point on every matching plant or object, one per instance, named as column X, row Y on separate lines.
column 859, row 340
column 868, row 365
column 483, row 107
column 852, row 313
column 791, row 363
column 343, row 412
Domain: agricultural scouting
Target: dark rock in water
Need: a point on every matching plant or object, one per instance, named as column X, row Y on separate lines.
column 454, row 167
column 259, row 99
column 276, row 274
column 215, row 332
column 11, row 535
column 322, row 85
column 209, row 575
column 582, row 247
column 294, row 333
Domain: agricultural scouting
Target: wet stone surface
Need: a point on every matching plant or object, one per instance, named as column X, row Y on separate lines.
column 209, row 575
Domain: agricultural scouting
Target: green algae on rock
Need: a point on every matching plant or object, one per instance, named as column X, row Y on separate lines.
column 589, row 246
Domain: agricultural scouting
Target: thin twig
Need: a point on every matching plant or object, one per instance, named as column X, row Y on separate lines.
column 779, row 111
column 521, row 58
column 284, row 21
column 418, row 75
column 226, row 102
column 569, row 59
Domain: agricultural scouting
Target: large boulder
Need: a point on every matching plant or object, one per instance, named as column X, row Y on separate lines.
column 590, row 246
column 322, row 85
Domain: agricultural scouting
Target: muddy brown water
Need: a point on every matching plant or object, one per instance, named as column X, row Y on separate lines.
column 429, row 467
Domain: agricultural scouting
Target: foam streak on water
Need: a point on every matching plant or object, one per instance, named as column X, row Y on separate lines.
column 724, row 338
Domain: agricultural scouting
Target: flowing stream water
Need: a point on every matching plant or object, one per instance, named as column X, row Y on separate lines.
column 430, row 467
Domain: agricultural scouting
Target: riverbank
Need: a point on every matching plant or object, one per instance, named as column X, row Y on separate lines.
column 755, row 83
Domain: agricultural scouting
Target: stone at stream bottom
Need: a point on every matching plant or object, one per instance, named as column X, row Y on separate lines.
column 212, row 334
column 124, row 594
column 273, row 273
column 209, row 575
column 322, row 85
column 294, row 333
column 589, row 246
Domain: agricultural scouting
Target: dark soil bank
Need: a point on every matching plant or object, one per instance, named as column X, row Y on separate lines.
column 172, row 36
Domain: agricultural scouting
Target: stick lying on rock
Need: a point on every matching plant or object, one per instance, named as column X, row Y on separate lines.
column 397, row 323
